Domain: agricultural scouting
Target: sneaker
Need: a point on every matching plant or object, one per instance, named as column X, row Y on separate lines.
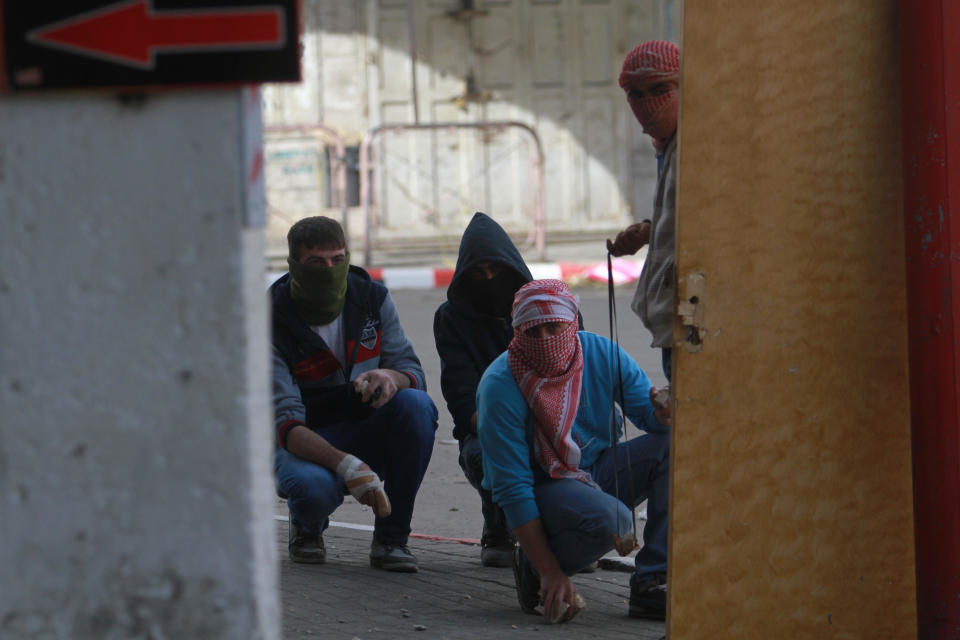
column 305, row 548
column 496, row 549
column 648, row 598
column 526, row 580
column 392, row 557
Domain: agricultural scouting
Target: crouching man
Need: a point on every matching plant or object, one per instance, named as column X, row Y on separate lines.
column 352, row 414
column 471, row 329
column 544, row 413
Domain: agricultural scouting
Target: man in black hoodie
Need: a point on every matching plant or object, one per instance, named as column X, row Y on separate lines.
column 471, row 329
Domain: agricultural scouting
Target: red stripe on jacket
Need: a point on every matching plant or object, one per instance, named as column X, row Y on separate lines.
column 284, row 431
column 317, row 367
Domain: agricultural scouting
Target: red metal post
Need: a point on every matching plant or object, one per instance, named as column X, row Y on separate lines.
column 930, row 68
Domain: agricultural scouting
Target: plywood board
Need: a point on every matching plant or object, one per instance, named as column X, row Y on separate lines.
column 791, row 505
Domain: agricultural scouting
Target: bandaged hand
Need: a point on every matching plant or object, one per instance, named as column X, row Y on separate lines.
column 364, row 485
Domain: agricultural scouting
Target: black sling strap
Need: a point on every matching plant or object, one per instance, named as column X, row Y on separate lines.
column 623, row 543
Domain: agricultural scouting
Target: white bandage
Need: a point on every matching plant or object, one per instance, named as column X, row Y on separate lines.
column 360, row 481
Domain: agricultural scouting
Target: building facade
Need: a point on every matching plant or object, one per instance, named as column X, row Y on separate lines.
column 572, row 155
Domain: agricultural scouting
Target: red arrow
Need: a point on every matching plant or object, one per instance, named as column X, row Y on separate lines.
column 132, row 32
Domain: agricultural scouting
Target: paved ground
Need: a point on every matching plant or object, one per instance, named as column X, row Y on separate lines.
column 453, row 596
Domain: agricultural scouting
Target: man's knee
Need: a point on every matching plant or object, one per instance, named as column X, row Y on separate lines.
column 415, row 414
column 602, row 524
column 663, row 457
column 568, row 504
column 317, row 490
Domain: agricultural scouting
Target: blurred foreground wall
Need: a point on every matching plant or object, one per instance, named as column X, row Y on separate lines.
column 135, row 485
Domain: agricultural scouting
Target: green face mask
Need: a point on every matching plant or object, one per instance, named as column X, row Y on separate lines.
column 318, row 292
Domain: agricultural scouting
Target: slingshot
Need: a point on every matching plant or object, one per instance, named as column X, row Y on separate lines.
column 624, row 543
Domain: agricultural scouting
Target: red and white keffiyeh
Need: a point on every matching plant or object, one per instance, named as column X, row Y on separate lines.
column 549, row 372
column 650, row 62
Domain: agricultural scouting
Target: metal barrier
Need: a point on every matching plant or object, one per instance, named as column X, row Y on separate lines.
column 323, row 133
column 537, row 233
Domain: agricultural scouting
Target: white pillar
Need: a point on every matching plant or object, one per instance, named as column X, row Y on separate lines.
column 135, row 430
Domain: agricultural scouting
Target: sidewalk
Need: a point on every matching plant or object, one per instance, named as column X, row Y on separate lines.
column 452, row 597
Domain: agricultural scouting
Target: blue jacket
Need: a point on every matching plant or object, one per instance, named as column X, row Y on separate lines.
column 505, row 422
column 310, row 387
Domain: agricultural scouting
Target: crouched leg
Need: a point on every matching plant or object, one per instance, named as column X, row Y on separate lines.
column 580, row 521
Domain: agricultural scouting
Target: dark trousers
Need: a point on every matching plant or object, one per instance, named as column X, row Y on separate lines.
column 396, row 441
column 471, row 461
column 580, row 520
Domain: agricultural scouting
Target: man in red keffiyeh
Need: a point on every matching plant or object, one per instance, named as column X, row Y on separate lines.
column 548, row 366
column 544, row 422
column 650, row 77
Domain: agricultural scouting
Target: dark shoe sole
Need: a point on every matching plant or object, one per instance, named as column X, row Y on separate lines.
column 647, row 613
column 308, row 558
column 496, row 557
column 396, row 567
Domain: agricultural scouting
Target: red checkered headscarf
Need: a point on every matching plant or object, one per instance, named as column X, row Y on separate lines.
column 648, row 63
column 549, row 372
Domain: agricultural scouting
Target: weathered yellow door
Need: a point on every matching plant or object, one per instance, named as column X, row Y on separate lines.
column 791, row 504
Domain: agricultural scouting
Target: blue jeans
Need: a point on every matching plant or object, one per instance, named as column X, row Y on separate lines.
column 396, row 441
column 580, row 521
column 471, row 461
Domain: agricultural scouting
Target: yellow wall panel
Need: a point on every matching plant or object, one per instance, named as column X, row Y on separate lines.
column 791, row 504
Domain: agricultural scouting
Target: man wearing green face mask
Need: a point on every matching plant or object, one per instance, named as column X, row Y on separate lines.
column 351, row 409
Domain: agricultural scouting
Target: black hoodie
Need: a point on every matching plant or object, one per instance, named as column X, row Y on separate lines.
column 470, row 336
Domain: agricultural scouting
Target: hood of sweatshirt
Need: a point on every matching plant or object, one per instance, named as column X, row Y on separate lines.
column 485, row 241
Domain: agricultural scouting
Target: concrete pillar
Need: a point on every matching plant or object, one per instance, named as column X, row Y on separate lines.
column 135, row 481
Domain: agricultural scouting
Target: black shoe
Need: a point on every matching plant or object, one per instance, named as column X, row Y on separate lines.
column 527, row 582
column 648, row 598
column 304, row 548
column 392, row 557
column 590, row 568
column 496, row 548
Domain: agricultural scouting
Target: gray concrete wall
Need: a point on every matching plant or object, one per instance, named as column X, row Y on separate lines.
column 135, row 438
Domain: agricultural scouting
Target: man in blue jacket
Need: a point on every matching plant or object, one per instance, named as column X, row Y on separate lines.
column 471, row 329
column 544, row 411
column 351, row 409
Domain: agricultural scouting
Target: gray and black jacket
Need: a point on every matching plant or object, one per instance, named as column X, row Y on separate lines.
column 310, row 386
column 654, row 298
